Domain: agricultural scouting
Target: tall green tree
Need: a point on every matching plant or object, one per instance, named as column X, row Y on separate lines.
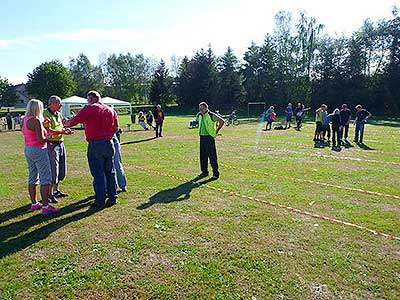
column 160, row 92
column 50, row 78
column 129, row 76
column 8, row 97
column 86, row 76
column 231, row 92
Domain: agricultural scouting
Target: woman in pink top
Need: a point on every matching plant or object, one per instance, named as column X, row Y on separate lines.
column 37, row 156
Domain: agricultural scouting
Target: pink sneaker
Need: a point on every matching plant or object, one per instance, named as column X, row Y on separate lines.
column 50, row 209
column 36, row 206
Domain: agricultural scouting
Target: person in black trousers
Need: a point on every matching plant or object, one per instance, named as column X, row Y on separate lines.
column 159, row 117
column 208, row 132
column 345, row 117
column 336, row 126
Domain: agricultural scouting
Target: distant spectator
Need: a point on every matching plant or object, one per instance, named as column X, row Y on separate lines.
column 159, row 116
column 289, row 115
column 299, row 111
column 9, row 118
column 318, row 122
column 345, row 117
column 326, row 127
column 150, row 119
column 362, row 116
column 336, row 125
column 270, row 116
column 142, row 120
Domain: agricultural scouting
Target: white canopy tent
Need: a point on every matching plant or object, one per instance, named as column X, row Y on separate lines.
column 79, row 101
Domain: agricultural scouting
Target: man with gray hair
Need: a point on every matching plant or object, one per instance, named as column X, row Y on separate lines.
column 101, row 123
column 55, row 146
column 208, row 132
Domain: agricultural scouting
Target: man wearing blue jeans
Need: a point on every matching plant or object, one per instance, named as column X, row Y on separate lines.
column 101, row 123
column 361, row 118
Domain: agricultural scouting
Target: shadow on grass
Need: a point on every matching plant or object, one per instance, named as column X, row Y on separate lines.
column 322, row 144
column 364, row 147
column 8, row 215
column 178, row 193
column 138, row 141
column 11, row 241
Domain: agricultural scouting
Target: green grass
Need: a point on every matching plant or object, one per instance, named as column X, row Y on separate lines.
column 170, row 239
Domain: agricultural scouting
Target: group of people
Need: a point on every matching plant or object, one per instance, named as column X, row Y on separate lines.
column 46, row 156
column 150, row 118
column 340, row 120
column 10, row 121
column 298, row 112
column 45, row 152
column 43, row 132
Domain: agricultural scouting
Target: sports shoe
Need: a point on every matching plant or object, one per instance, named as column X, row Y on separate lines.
column 60, row 194
column 52, row 199
column 36, row 206
column 49, row 209
column 215, row 177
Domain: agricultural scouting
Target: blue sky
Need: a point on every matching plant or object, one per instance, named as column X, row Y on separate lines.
column 35, row 31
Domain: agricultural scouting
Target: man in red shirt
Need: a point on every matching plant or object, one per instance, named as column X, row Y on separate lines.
column 159, row 117
column 101, row 122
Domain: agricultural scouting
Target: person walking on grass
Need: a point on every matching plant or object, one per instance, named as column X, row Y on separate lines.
column 362, row 116
column 55, row 147
column 159, row 117
column 37, row 156
column 101, row 123
column 336, row 128
column 345, row 117
column 208, row 132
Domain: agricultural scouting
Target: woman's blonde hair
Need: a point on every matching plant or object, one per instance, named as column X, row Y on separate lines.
column 35, row 109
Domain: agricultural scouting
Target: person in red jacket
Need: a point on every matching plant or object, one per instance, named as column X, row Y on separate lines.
column 159, row 118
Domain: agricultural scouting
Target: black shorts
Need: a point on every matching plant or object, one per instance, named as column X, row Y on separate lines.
column 289, row 118
column 319, row 126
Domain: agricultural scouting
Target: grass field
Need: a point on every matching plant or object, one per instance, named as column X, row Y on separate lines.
column 169, row 238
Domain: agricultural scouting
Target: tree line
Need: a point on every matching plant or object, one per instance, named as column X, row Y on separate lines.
column 297, row 62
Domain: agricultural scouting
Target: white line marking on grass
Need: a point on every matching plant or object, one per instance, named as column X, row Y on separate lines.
column 286, row 207
column 267, row 149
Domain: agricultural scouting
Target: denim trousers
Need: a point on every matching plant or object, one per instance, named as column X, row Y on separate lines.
column 359, row 131
column 119, row 169
column 101, row 163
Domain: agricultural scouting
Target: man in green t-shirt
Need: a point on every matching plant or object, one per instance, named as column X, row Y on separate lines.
column 55, row 146
column 208, row 131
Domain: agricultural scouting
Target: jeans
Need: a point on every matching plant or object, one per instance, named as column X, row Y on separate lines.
column 101, row 163
column 119, row 169
column 345, row 128
column 58, row 161
column 158, row 128
column 208, row 151
column 359, row 131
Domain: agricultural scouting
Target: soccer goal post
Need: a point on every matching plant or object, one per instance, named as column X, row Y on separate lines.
column 255, row 108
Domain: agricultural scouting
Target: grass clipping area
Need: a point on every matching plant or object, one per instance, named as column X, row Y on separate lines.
column 169, row 238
